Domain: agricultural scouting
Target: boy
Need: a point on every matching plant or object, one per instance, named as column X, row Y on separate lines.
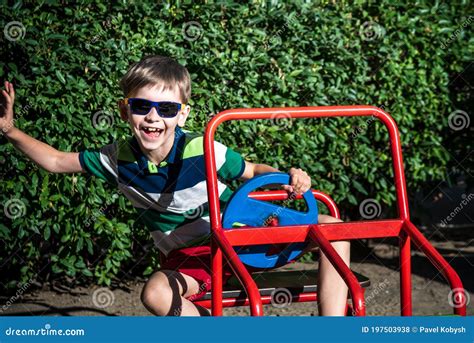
column 160, row 169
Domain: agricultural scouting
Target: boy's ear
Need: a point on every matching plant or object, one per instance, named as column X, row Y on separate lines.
column 123, row 110
column 183, row 115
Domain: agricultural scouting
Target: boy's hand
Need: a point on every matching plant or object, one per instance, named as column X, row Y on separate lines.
column 6, row 107
column 300, row 181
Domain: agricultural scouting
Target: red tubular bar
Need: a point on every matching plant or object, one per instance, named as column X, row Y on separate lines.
column 223, row 242
column 299, row 233
column 283, row 195
column 405, row 275
column 441, row 264
column 266, row 299
column 240, row 272
column 357, row 293
column 216, row 277
column 304, row 112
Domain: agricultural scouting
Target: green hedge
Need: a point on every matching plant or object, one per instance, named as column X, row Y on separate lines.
column 67, row 62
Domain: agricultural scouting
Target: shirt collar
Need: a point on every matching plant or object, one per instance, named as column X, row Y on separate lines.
column 148, row 167
column 177, row 148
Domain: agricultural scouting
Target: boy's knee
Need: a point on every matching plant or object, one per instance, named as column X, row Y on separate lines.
column 157, row 293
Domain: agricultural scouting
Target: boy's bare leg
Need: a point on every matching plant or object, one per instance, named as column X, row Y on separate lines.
column 332, row 290
column 165, row 294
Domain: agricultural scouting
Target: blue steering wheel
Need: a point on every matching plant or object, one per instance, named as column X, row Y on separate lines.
column 241, row 210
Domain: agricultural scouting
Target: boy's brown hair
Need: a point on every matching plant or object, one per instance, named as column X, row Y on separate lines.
column 160, row 71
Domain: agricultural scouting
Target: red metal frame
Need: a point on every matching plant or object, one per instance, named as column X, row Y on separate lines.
column 267, row 299
column 224, row 240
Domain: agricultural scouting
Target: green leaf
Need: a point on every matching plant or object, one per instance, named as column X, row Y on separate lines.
column 86, row 272
column 60, row 76
column 359, row 187
column 4, row 231
column 46, row 232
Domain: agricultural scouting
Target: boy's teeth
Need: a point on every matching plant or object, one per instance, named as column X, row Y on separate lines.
column 151, row 129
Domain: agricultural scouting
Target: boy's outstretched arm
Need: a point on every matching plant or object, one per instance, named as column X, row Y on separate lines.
column 300, row 180
column 42, row 154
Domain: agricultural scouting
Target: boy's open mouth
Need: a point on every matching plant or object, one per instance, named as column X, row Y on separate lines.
column 151, row 132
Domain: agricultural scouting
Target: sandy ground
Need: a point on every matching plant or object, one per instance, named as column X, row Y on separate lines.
column 379, row 263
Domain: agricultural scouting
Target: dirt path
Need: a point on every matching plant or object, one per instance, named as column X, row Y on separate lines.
column 430, row 291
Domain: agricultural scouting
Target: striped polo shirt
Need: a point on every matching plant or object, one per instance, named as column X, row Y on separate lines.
column 170, row 198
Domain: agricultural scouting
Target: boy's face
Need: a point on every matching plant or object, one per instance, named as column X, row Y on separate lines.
column 163, row 137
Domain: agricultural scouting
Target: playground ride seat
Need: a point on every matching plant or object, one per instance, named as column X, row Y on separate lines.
column 238, row 238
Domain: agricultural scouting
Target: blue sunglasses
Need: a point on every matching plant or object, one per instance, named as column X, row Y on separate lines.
column 165, row 109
